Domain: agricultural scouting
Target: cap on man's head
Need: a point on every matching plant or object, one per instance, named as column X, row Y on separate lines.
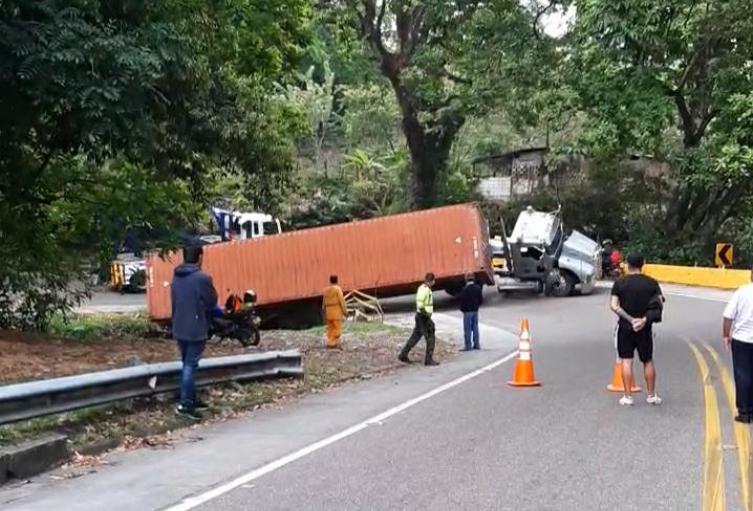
column 635, row 261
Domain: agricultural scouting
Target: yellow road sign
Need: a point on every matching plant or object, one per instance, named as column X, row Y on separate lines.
column 724, row 254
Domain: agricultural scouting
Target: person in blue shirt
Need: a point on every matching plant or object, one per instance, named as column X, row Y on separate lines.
column 193, row 299
column 470, row 301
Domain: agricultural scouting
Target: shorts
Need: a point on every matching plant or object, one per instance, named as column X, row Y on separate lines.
column 628, row 341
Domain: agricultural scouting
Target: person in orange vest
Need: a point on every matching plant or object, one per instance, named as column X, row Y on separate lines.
column 334, row 310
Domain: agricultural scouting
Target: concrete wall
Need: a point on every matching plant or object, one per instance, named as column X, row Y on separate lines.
column 698, row 276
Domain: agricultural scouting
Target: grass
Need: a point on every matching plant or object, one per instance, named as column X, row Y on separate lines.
column 104, row 427
column 87, row 327
column 364, row 328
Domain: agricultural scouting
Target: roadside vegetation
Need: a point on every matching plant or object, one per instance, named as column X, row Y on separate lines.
column 127, row 120
column 369, row 351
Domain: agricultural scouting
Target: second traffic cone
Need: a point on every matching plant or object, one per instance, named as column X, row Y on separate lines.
column 617, row 385
column 523, row 375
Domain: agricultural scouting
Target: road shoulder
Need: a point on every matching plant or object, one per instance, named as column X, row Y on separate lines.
column 205, row 456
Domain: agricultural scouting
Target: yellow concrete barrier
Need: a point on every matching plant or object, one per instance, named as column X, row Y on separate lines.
column 698, row 276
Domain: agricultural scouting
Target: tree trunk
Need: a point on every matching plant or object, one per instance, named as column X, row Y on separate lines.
column 429, row 147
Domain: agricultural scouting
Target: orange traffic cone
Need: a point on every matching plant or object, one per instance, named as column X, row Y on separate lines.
column 616, row 385
column 523, row 375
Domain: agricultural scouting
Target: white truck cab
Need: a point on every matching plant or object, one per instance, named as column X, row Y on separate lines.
column 256, row 225
column 245, row 226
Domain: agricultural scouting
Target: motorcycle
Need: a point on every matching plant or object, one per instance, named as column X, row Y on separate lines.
column 611, row 271
column 238, row 321
column 611, row 261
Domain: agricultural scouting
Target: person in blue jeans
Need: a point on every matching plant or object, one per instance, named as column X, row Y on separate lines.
column 471, row 298
column 193, row 299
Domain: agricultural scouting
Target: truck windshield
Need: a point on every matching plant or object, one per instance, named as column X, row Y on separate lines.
column 270, row 228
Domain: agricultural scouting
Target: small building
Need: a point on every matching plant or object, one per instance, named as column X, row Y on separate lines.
column 504, row 176
column 517, row 173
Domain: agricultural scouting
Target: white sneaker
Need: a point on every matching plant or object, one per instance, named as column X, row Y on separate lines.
column 654, row 400
column 626, row 401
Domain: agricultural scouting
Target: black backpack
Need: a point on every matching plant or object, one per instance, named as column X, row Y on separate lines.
column 655, row 309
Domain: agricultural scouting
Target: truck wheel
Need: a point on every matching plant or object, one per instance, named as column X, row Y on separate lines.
column 454, row 290
column 563, row 284
column 137, row 282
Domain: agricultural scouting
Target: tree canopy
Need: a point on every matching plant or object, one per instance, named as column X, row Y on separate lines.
column 126, row 119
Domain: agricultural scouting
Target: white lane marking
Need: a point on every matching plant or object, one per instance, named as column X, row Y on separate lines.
column 197, row 500
column 682, row 294
column 697, row 297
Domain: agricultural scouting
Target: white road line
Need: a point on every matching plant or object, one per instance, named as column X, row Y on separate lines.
column 197, row 500
column 682, row 294
column 697, row 297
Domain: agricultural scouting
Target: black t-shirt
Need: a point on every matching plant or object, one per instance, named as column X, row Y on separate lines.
column 635, row 293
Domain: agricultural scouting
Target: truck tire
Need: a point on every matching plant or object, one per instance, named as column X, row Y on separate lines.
column 137, row 282
column 455, row 288
column 563, row 284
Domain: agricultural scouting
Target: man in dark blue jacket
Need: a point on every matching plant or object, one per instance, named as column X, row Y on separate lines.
column 193, row 298
column 470, row 301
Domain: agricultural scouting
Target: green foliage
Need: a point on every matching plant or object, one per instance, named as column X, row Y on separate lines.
column 371, row 116
column 103, row 326
column 314, row 102
column 445, row 61
column 669, row 79
column 379, row 190
column 112, row 114
column 362, row 165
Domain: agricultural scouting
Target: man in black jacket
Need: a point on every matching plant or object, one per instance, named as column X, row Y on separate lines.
column 470, row 301
column 193, row 297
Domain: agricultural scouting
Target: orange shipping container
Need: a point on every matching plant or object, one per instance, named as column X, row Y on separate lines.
column 385, row 256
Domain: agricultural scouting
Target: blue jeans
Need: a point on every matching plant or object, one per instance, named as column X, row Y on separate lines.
column 190, row 354
column 742, row 364
column 470, row 330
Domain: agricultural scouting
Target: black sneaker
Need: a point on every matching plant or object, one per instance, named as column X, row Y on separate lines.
column 201, row 405
column 404, row 359
column 745, row 419
column 431, row 363
column 188, row 414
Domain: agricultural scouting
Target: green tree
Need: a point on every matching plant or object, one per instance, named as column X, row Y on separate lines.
column 428, row 51
column 669, row 79
column 111, row 115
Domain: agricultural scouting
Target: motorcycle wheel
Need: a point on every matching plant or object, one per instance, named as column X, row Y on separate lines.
column 256, row 335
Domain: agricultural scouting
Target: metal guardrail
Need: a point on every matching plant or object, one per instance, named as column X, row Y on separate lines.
column 23, row 401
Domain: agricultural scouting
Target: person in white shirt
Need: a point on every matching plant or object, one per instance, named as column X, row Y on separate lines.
column 737, row 333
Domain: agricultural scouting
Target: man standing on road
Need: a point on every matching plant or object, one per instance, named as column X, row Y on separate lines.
column 632, row 300
column 470, row 300
column 424, row 324
column 193, row 299
column 737, row 332
column 335, row 310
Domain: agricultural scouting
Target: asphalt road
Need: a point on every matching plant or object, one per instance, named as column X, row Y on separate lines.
column 106, row 301
column 457, row 437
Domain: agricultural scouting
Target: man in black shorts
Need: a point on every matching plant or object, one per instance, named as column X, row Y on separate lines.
column 632, row 297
